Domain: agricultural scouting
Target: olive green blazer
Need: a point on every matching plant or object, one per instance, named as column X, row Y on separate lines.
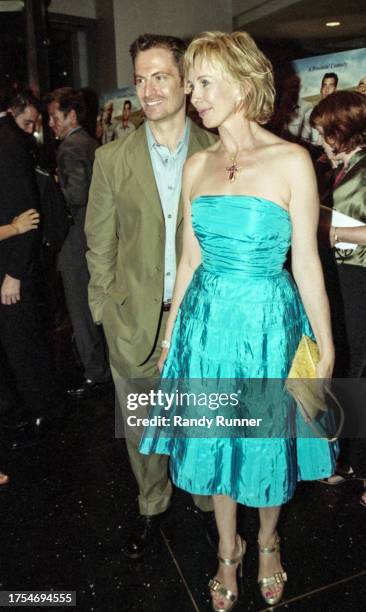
column 125, row 233
column 349, row 197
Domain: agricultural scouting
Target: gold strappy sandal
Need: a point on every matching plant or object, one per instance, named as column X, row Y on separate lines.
column 216, row 586
column 278, row 578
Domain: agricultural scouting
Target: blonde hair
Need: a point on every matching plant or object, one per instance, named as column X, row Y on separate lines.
column 238, row 57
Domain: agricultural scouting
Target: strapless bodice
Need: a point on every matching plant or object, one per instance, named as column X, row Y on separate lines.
column 241, row 235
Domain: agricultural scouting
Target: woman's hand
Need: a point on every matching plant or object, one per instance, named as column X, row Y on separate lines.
column 163, row 356
column 333, row 238
column 28, row 220
column 324, row 368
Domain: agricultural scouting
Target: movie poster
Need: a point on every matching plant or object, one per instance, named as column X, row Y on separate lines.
column 349, row 66
column 315, row 78
column 120, row 114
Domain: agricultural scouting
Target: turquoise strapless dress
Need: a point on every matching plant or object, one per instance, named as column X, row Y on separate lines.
column 242, row 318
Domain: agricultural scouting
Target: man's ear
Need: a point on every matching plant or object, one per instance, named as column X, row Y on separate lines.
column 73, row 117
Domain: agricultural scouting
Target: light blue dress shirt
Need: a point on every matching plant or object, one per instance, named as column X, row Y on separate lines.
column 168, row 167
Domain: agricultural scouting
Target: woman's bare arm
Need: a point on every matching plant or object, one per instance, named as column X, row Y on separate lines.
column 191, row 254
column 24, row 222
column 306, row 266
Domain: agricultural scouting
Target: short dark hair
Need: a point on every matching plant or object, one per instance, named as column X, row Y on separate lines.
column 127, row 102
column 330, row 75
column 19, row 102
column 175, row 45
column 68, row 99
column 342, row 116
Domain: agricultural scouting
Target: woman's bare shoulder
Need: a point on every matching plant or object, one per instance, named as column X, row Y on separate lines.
column 283, row 149
column 197, row 162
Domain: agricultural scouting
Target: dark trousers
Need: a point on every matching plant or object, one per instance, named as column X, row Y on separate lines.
column 352, row 281
column 89, row 337
column 26, row 356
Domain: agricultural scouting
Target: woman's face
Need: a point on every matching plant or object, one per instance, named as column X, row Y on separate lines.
column 215, row 98
column 326, row 144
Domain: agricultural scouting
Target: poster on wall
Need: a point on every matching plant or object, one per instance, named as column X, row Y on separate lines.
column 120, row 114
column 349, row 68
column 314, row 79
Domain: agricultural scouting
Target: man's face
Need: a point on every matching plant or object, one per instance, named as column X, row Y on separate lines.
column 59, row 124
column 126, row 112
column 27, row 119
column 362, row 86
column 328, row 87
column 108, row 112
column 159, row 86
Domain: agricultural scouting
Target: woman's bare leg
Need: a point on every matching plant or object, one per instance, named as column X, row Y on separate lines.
column 229, row 546
column 271, row 563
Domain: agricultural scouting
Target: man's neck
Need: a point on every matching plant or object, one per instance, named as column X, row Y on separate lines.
column 169, row 133
column 76, row 127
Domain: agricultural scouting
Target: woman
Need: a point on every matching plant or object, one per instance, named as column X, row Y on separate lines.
column 340, row 120
column 236, row 313
column 24, row 222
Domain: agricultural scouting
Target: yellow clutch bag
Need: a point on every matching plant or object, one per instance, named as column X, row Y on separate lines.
column 302, row 383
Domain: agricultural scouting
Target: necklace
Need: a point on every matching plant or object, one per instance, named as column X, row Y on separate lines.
column 233, row 170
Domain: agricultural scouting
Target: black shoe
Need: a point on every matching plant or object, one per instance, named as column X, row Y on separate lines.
column 89, row 388
column 145, row 533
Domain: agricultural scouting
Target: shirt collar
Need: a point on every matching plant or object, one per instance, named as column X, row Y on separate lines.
column 153, row 144
column 72, row 131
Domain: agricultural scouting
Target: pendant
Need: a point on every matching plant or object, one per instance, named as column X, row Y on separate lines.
column 233, row 170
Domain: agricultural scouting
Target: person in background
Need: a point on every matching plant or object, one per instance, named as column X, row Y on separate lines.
column 25, row 108
column 362, row 86
column 107, row 122
column 340, row 121
column 22, row 336
column 75, row 157
column 125, row 126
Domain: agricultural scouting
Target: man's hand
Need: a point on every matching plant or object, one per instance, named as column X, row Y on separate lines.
column 10, row 290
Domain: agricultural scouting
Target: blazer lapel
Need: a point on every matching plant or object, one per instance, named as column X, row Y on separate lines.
column 142, row 169
column 193, row 146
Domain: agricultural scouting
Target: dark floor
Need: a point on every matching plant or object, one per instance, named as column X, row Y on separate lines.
column 72, row 500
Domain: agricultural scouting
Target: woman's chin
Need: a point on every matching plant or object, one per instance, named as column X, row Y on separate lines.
column 209, row 124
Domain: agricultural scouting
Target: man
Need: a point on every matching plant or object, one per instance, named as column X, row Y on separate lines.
column 134, row 233
column 25, row 109
column 125, row 127
column 108, row 125
column 75, row 157
column 329, row 84
column 21, row 335
column 362, row 86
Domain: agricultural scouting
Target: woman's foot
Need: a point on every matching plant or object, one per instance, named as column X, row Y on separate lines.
column 271, row 576
column 4, row 479
column 225, row 578
column 340, row 476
